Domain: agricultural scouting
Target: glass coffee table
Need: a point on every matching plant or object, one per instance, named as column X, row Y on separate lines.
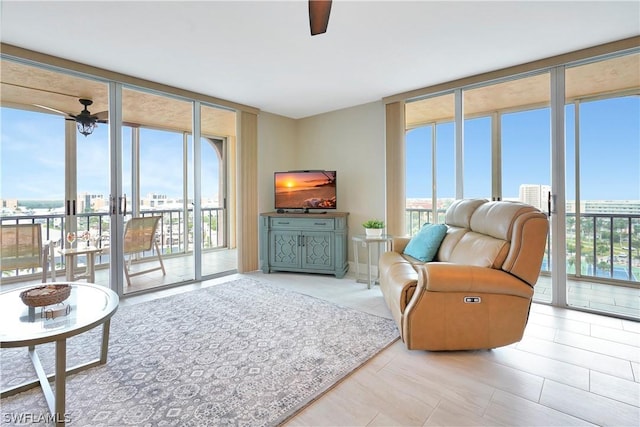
column 89, row 305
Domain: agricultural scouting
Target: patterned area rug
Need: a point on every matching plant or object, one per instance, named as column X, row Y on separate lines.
column 239, row 353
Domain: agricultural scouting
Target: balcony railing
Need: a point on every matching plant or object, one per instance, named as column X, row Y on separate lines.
column 607, row 248
column 416, row 218
column 170, row 234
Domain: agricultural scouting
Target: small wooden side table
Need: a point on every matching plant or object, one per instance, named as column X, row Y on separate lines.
column 70, row 255
column 369, row 241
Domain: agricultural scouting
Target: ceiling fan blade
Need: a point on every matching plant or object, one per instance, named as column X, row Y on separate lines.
column 54, row 110
column 319, row 11
column 102, row 115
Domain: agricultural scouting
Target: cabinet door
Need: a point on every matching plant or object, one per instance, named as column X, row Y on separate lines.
column 317, row 250
column 285, row 249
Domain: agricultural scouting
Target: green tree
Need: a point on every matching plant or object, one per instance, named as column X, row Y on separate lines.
column 604, row 266
column 588, row 258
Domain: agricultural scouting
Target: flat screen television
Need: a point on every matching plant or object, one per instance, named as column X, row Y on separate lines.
column 305, row 190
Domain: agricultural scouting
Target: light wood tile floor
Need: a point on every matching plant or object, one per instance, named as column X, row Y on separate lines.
column 571, row 368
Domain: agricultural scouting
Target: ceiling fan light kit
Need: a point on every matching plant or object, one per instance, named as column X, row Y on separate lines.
column 85, row 121
column 319, row 11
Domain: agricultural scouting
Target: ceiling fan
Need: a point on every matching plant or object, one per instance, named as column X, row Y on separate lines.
column 319, row 11
column 86, row 121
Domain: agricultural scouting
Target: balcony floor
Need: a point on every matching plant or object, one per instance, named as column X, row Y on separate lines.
column 179, row 270
column 617, row 300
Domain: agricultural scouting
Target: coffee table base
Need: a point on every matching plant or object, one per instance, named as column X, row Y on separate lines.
column 56, row 402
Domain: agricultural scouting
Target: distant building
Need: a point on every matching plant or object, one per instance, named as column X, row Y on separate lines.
column 90, row 202
column 10, row 204
column 535, row 195
column 153, row 200
column 620, row 207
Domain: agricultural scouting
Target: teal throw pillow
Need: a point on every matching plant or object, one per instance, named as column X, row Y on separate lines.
column 424, row 245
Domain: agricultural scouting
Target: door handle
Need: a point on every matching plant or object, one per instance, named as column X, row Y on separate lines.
column 122, row 204
column 112, row 204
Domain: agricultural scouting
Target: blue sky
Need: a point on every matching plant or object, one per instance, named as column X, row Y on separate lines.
column 32, row 156
column 32, row 160
column 609, row 153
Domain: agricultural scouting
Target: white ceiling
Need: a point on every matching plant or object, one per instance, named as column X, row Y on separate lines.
column 260, row 53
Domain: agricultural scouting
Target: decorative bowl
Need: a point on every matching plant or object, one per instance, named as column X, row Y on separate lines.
column 41, row 296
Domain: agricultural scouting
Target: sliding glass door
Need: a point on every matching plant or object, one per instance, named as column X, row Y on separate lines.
column 138, row 162
column 507, row 148
column 217, row 250
column 158, row 220
column 503, row 152
column 603, row 183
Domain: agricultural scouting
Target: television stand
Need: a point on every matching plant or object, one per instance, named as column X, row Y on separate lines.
column 307, row 242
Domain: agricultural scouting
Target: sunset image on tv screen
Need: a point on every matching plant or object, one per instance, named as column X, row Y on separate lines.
column 305, row 190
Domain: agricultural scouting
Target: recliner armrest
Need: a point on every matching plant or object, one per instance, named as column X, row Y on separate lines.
column 399, row 243
column 448, row 277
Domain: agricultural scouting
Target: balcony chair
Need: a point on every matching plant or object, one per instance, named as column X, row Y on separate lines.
column 21, row 248
column 140, row 236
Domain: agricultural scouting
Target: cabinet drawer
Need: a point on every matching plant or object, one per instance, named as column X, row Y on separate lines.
column 303, row 223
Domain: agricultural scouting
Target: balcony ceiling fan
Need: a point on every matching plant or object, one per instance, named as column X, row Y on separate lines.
column 319, row 11
column 86, row 121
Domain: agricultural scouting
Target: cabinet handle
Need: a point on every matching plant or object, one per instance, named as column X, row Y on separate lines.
column 319, row 223
column 283, row 222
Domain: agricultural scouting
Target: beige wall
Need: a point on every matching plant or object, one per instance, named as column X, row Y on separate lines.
column 276, row 152
column 350, row 141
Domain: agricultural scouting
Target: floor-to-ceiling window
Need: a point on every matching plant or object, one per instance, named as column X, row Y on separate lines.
column 478, row 151
column 32, row 173
column 430, row 160
column 52, row 173
column 507, row 153
column 218, row 251
column 603, row 182
column 215, row 229
column 73, row 174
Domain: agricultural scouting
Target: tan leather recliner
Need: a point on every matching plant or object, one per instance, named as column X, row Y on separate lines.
column 477, row 292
